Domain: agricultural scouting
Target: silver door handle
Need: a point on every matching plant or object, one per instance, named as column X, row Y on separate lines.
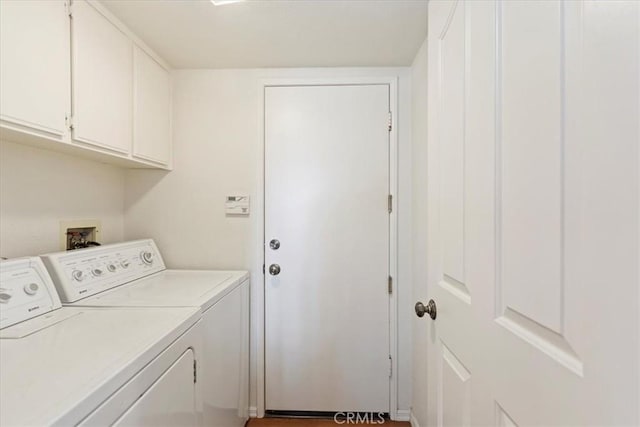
column 274, row 269
column 429, row 309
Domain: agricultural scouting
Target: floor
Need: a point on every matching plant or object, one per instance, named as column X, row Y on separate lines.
column 291, row 422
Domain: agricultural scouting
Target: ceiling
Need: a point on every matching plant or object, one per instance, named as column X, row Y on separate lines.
column 277, row 33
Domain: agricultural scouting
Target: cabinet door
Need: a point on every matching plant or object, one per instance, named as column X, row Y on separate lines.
column 34, row 66
column 102, row 81
column 152, row 109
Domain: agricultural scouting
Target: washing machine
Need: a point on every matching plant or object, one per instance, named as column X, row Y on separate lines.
column 66, row 366
column 133, row 274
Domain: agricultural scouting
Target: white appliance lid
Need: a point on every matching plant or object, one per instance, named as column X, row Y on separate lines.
column 171, row 288
column 60, row 373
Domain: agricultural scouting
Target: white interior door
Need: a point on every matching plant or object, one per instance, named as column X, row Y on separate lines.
column 533, row 223
column 326, row 189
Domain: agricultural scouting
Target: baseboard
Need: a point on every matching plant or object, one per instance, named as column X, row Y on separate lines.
column 253, row 412
column 414, row 420
column 403, row 415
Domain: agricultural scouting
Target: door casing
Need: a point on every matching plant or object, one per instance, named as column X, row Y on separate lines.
column 393, row 228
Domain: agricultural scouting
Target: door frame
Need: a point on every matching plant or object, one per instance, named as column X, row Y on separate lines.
column 259, row 225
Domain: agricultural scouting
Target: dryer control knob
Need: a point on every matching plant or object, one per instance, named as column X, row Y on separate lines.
column 31, row 288
column 97, row 272
column 78, row 275
column 124, row 264
column 111, row 267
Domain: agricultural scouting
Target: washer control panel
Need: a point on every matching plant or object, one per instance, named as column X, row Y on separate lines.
column 85, row 272
column 26, row 291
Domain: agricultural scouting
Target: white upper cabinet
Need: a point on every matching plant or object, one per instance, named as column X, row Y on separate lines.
column 102, row 81
column 151, row 109
column 34, row 67
column 73, row 78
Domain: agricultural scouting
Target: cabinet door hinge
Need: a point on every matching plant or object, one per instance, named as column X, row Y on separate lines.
column 390, row 121
column 390, row 203
column 195, row 372
column 263, row 271
column 390, row 366
column 390, row 286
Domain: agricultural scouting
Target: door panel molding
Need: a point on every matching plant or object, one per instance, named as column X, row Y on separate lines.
column 502, row 418
column 452, row 82
column 544, row 339
column 455, row 391
column 530, row 132
column 531, row 125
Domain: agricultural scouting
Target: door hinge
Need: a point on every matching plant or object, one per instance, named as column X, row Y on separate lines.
column 390, row 286
column 69, row 12
column 69, row 121
column 263, row 271
column 390, row 366
column 195, row 372
column 390, row 121
column 390, row 203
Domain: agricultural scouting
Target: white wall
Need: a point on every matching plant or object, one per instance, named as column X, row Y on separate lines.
column 217, row 150
column 419, row 158
column 39, row 188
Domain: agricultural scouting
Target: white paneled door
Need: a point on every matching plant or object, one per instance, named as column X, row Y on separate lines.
column 533, row 213
column 327, row 248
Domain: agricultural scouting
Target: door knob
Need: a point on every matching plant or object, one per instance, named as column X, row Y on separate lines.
column 274, row 244
column 274, row 269
column 429, row 309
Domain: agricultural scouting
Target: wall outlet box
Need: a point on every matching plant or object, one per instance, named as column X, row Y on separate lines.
column 237, row 205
